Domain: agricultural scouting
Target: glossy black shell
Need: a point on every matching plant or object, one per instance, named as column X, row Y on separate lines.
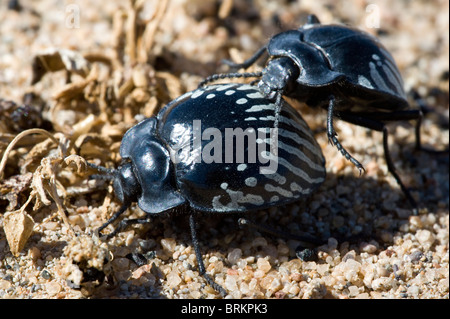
column 335, row 59
column 167, row 168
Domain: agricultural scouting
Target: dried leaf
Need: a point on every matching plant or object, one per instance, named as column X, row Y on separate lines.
column 52, row 60
column 72, row 90
column 18, row 226
column 85, row 125
column 77, row 161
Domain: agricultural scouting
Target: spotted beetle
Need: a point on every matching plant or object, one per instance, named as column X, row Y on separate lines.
column 341, row 69
column 215, row 150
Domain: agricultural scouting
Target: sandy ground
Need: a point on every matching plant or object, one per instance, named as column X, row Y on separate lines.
column 128, row 59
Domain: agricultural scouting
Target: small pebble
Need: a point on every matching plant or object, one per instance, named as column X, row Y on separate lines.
column 45, row 274
column 259, row 242
column 4, row 284
column 51, row 226
column 53, row 288
column 425, row 237
column 263, row 265
column 168, row 244
column 234, row 256
column 230, row 283
column 173, row 279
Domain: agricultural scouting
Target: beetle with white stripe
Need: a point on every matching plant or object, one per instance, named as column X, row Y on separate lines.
column 215, row 150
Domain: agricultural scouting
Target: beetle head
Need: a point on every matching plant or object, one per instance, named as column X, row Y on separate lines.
column 278, row 77
column 125, row 183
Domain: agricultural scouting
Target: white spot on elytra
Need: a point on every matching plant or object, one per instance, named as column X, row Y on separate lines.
column 255, row 95
column 197, row 93
column 241, row 167
column 211, row 96
column 229, row 92
column 251, row 181
column 223, row 87
column 364, row 81
column 242, row 101
column 274, row 198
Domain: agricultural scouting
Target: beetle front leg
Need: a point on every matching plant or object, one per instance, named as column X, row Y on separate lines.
column 244, row 65
column 332, row 137
column 112, row 219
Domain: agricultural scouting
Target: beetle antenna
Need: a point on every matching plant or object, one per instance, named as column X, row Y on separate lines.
column 108, row 177
column 221, row 76
column 108, row 171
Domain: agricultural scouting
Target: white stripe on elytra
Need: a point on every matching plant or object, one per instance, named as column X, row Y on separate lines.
column 279, row 190
column 295, row 170
column 261, row 107
column 293, row 150
column 377, row 78
column 297, row 125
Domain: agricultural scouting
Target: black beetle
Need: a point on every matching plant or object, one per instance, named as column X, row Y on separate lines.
column 215, row 150
column 344, row 70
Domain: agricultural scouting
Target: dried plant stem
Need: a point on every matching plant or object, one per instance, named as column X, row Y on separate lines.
column 17, row 138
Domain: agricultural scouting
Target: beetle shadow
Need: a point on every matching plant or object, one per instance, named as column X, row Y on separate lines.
column 358, row 209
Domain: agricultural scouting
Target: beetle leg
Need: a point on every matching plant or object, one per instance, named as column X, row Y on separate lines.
column 332, row 137
column 403, row 115
column 277, row 109
column 244, row 65
column 124, row 223
column 424, row 110
column 376, row 125
column 198, row 255
column 112, row 219
column 313, row 19
column 393, row 171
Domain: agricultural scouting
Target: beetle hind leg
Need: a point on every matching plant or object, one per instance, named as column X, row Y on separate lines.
column 424, row 110
column 391, row 168
column 198, row 255
column 373, row 122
